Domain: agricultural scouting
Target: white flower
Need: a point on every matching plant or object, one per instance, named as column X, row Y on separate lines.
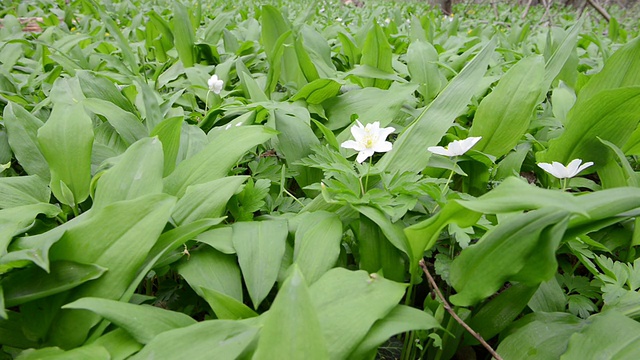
column 369, row 139
column 456, row 147
column 565, row 172
column 215, row 84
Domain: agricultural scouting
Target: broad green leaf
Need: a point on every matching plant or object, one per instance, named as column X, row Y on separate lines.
column 390, row 230
column 34, row 283
column 210, row 269
column 410, row 149
column 119, row 344
column 152, row 111
column 126, row 124
column 423, row 235
column 609, row 335
column 304, row 61
column 142, row 322
column 226, row 307
column 377, row 53
column 631, row 176
column 121, row 249
column 318, row 91
column 16, row 220
column 249, row 85
column 23, row 190
column 260, row 247
column 549, row 297
column 123, row 43
column 66, row 140
column 609, row 115
column 521, row 249
column 559, row 58
column 183, row 33
column 295, row 141
column 168, row 131
column 98, row 87
column 399, row 320
column 317, row 244
column 137, row 173
column 216, row 159
column 291, row 325
column 12, row 334
column 622, row 69
column 501, row 311
column 346, row 320
column 422, row 60
column 220, row 238
column 226, row 339
column 22, row 128
column 376, row 253
column 367, row 105
column 515, row 194
column 208, row 200
column 503, row 116
column 89, row 352
column 540, row 336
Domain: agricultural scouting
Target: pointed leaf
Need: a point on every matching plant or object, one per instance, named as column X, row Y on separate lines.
column 22, row 128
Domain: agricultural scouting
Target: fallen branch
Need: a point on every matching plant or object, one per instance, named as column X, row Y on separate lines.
column 449, row 309
column 600, row 9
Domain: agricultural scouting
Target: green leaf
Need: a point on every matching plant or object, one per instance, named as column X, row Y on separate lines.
column 249, row 85
column 521, row 249
column 346, row 320
column 34, row 283
column 66, row 140
column 137, row 173
column 225, row 338
column 208, row 268
column 318, row 91
column 19, row 219
column 401, row 319
column 609, row 115
column 423, row 235
column 559, row 58
column 422, row 60
column 142, row 322
column 260, row 248
column 168, row 131
column 225, row 307
column 206, row 200
column 89, row 352
column 126, row 124
column 540, row 336
column 367, row 105
column 317, row 243
column 121, row 249
column 549, row 297
column 502, row 123
column 609, row 335
column 216, row 159
column 291, row 325
column 376, row 253
column 23, row 190
column 119, row 344
column 501, row 311
column 183, row 34
column 98, row 87
column 22, row 128
column 377, row 53
column 410, row 149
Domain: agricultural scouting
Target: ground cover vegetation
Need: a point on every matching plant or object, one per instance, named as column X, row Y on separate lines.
column 310, row 180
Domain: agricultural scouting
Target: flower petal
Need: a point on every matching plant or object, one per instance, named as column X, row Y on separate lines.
column 350, row 144
column 363, row 155
column 572, row 167
column 439, row 150
column 584, row 166
column 548, row 168
column 383, row 146
column 358, row 131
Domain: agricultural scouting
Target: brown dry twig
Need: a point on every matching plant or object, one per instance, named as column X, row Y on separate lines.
column 449, row 309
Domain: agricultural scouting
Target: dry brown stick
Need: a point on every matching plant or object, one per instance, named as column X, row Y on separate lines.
column 449, row 309
column 600, row 9
column 526, row 10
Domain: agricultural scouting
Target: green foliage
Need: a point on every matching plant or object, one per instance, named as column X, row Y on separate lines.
column 145, row 215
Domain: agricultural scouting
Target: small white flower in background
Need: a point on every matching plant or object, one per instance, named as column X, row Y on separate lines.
column 565, row 172
column 387, row 21
column 339, row 19
column 456, row 147
column 215, row 84
column 369, row 139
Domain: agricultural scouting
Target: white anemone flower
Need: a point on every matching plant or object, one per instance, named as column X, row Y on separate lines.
column 369, row 139
column 215, row 84
column 565, row 172
column 456, row 147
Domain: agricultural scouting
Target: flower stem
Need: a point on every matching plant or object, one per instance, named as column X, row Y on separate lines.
column 564, row 184
column 446, row 185
column 206, row 103
column 366, row 180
